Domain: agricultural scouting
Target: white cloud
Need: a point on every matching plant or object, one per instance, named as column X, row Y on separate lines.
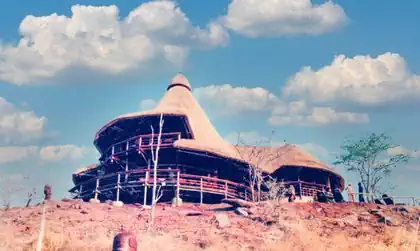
column 60, row 152
column 299, row 113
column 12, row 154
column 17, row 126
column 361, row 79
column 283, row 17
column 403, row 150
column 96, row 38
column 229, row 100
column 317, row 151
column 147, row 104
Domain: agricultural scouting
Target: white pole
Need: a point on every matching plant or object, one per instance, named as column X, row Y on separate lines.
column 155, row 166
column 126, row 161
column 41, row 230
column 201, row 191
column 145, row 188
column 112, row 154
column 178, row 175
column 118, row 187
column 97, row 189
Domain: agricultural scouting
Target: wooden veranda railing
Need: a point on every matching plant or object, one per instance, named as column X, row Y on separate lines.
column 141, row 142
column 305, row 188
column 142, row 179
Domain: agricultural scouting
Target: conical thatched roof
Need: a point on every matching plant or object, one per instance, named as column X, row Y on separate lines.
column 178, row 100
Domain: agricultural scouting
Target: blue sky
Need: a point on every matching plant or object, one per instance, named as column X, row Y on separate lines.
column 315, row 72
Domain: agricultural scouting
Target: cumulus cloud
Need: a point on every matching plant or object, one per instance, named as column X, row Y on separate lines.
column 17, row 125
column 363, row 80
column 231, row 100
column 299, row 113
column 320, row 97
column 13, row 154
column 403, row 150
column 283, row 17
column 147, row 104
column 96, row 38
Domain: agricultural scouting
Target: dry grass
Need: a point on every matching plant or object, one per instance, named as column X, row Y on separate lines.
column 293, row 236
column 292, row 232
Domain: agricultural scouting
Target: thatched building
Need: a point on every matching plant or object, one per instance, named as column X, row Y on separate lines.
column 194, row 163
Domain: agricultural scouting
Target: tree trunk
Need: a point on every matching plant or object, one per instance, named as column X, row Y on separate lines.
column 155, row 166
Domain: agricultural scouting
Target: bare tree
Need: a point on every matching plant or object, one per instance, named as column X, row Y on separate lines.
column 275, row 190
column 156, row 194
column 30, row 197
column 257, row 157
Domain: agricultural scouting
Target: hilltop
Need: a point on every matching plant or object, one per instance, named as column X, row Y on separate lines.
column 75, row 225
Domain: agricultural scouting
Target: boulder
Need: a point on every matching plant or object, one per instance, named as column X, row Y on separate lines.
column 238, row 203
column 193, row 213
column 351, row 220
column 117, row 204
column 241, row 211
column 176, row 202
column 124, row 241
column 94, row 201
column 401, row 209
column 222, row 220
column 84, row 211
column 389, row 221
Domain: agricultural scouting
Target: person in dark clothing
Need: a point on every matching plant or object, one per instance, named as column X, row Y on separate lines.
column 361, row 197
column 338, row 197
column 388, row 200
column 321, row 197
column 47, row 192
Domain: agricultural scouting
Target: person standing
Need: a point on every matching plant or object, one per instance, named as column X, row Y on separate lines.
column 361, row 197
column 292, row 193
column 350, row 192
column 47, row 192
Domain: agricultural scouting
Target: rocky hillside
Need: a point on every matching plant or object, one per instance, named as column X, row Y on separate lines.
column 75, row 225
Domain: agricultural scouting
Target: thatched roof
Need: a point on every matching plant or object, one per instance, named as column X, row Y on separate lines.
column 178, row 100
column 269, row 159
column 85, row 168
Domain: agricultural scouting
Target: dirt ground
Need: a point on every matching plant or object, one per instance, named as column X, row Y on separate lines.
column 75, row 225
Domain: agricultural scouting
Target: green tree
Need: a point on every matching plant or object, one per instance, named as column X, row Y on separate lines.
column 372, row 158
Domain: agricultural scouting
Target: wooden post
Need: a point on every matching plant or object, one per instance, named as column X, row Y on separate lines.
column 112, row 153
column 145, row 188
column 118, row 187
column 226, row 190
column 97, row 189
column 80, row 190
column 201, row 191
column 126, row 161
column 300, row 188
column 177, row 186
column 139, row 147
